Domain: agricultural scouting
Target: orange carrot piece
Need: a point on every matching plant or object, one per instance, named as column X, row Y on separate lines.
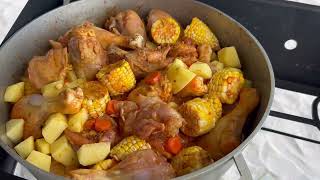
column 153, row 78
column 110, row 110
column 89, row 124
column 174, row 145
column 102, row 125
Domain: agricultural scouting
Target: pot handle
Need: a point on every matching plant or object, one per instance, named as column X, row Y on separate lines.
column 242, row 167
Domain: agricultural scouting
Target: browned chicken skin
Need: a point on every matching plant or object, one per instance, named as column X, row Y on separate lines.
column 35, row 109
column 184, row 50
column 127, row 23
column 30, row 108
column 226, row 135
column 161, row 89
column 149, row 115
column 144, row 61
column 86, row 53
column 145, row 164
column 205, row 52
column 49, row 68
column 105, row 37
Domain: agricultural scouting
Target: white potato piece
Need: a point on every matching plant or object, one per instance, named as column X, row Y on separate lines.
column 14, row 130
column 62, row 152
column 90, row 154
column 179, row 75
column 76, row 121
column 14, row 92
column 42, row 146
column 25, row 147
column 229, row 57
column 40, row 160
column 54, row 127
column 201, row 69
column 52, row 89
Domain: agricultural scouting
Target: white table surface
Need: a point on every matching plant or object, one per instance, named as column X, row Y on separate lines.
column 269, row 156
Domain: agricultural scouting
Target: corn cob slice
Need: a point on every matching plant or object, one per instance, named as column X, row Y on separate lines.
column 190, row 159
column 226, row 85
column 118, row 77
column 165, row 31
column 127, row 146
column 200, row 33
column 96, row 97
column 201, row 115
column 105, row 164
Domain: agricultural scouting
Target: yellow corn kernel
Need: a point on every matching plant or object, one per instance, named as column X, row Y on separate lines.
column 200, row 33
column 226, row 85
column 190, row 159
column 96, row 97
column 127, row 146
column 165, row 31
column 118, row 77
column 201, row 115
column 104, row 165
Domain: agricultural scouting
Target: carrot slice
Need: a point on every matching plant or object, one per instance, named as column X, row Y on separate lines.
column 153, row 78
column 174, row 145
column 102, row 125
column 89, row 124
column 110, row 110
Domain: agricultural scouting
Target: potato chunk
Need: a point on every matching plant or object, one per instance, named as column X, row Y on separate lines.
column 52, row 89
column 62, row 152
column 201, row 69
column 90, row 154
column 25, row 147
column 76, row 121
column 54, row 127
column 14, row 92
column 42, row 146
column 179, row 75
column 14, row 130
column 229, row 57
column 40, row 160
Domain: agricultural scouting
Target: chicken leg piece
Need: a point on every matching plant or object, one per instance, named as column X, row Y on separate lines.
column 49, row 68
column 104, row 37
column 226, row 135
column 144, row 61
column 86, row 53
column 107, row 38
column 127, row 23
column 35, row 109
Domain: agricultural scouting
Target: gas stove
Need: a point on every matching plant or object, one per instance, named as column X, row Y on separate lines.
column 286, row 30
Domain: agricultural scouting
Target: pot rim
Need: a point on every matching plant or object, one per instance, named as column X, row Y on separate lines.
column 201, row 171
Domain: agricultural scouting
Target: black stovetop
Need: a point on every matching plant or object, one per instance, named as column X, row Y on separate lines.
column 273, row 22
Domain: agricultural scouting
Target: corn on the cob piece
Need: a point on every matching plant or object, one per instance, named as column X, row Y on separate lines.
column 96, row 97
column 190, row 159
column 226, row 85
column 105, row 164
column 127, row 146
column 118, row 77
column 165, row 31
column 201, row 115
column 200, row 33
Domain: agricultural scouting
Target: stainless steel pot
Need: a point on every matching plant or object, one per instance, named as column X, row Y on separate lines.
column 33, row 40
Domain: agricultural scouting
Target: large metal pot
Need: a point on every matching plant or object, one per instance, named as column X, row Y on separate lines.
column 33, row 40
